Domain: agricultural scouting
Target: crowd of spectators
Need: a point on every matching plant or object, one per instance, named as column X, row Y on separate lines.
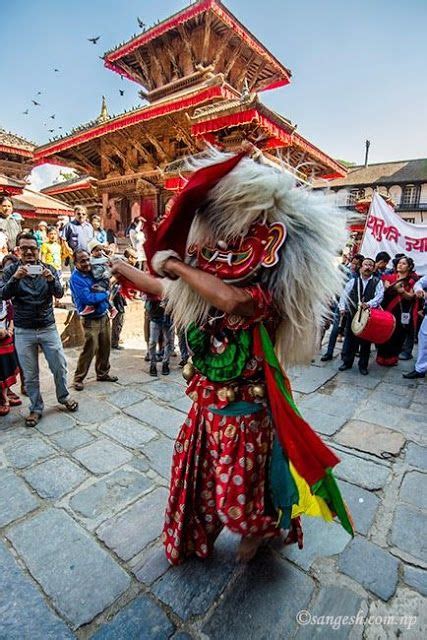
column 389, row 284
column 34, row 263
column 38, row 265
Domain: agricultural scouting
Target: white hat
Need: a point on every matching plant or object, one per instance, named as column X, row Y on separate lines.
column 94, row 243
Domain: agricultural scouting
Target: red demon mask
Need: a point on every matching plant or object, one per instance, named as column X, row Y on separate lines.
column 241, row 260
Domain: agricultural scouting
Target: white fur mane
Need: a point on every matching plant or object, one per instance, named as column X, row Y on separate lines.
column 306, row 279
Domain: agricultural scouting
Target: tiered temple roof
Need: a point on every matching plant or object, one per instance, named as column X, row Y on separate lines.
column 177, row 53
column 79, row 190
column 35, row 205
column 10, row 186
column 201, row 71
column 16, row 155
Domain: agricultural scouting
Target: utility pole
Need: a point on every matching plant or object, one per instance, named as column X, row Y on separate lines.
column 367, row 145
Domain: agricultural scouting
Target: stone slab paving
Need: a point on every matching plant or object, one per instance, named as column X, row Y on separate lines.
column 70, row 440
column 128, row 432
column 25, row 452
column 102, row 456
column 16, row 500
column 267, row 595
column 55, row 478
column 79, row 576
column 142, row 619
column 124, row 533
column 378, row 570
column 55, row 421
column 337, row 601
column 81, row 513
column 21, row 600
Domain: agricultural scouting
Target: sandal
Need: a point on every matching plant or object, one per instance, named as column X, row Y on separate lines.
column 32, row 419
column 71, row 405
column 107, row 379
column 79, row 386
column 4, row 409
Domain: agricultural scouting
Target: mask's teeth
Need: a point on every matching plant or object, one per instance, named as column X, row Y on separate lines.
column 230, row 259
column 214, row 256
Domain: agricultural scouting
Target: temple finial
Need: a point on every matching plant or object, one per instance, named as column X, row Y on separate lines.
column 104, row 115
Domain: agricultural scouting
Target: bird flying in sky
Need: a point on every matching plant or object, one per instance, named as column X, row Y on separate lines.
column 53, row 116
column 122, row 92
column 141, row 24
column 35, row 103
column 25, row 112
column 94, row 40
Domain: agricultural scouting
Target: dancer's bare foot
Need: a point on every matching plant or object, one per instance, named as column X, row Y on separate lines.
column 248, row 548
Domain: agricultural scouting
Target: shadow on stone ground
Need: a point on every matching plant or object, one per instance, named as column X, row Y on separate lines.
column 81, row 510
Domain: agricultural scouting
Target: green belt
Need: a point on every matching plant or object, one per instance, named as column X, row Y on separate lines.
column 240, row 408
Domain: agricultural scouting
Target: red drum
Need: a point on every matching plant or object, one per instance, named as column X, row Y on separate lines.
column 373, row 325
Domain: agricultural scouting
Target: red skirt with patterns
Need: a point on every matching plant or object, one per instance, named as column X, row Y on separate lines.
column 8, row 363
column 218, row 479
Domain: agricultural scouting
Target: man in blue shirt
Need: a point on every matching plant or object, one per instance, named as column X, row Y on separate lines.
column 78, row 232
column 96, row 325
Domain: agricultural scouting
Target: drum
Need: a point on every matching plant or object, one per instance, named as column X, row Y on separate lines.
column 373, row 325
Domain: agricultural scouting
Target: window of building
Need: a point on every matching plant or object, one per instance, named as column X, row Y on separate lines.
column 410, row 196
column 355, row 195
column 411, row 220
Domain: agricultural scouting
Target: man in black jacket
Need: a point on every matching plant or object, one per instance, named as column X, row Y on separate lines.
column 368, row 291
column 32, row 285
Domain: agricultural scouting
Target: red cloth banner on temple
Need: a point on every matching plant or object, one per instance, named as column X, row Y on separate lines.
column 386, row 231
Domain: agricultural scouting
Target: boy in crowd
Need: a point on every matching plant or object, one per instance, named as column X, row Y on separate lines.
column 160, row 326
column 100, row 267
column 50, row 251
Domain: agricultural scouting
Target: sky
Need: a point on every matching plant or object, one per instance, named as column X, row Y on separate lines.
column 359, row 68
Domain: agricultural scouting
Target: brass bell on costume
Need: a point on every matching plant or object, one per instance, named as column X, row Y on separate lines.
column 230, row 394
column 258, row 391
column 188, row 371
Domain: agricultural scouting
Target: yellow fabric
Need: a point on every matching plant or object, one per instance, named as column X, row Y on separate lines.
column 51, row 254
column 308, row 504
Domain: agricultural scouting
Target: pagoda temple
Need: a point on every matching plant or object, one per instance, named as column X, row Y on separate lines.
column 201, row 72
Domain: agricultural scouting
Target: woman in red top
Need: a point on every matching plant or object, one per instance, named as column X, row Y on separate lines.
column 399, row 299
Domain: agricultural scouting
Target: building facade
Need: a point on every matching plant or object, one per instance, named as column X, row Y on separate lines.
column 404, row 182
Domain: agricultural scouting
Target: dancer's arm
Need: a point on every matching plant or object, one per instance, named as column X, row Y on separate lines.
column 220, row 295
column 142, row 281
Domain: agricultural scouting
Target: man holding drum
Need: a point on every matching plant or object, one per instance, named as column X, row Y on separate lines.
column 366, row 290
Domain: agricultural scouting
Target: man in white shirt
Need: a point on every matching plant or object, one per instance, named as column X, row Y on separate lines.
column 420, row 289
column 367, row 290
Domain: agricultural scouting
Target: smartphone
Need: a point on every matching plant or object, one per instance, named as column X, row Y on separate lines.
column 34, row 269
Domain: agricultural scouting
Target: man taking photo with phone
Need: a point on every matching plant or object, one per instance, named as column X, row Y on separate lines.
column 32, row 286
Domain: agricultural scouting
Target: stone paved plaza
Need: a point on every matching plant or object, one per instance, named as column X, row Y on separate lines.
column 81, row 510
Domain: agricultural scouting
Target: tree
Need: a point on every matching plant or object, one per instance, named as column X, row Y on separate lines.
column 346, row 163
column 66, row 175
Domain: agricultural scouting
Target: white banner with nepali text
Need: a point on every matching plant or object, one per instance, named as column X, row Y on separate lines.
column 386, row 231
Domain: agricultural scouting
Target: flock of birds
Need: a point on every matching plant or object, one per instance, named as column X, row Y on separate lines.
column 36, row 103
